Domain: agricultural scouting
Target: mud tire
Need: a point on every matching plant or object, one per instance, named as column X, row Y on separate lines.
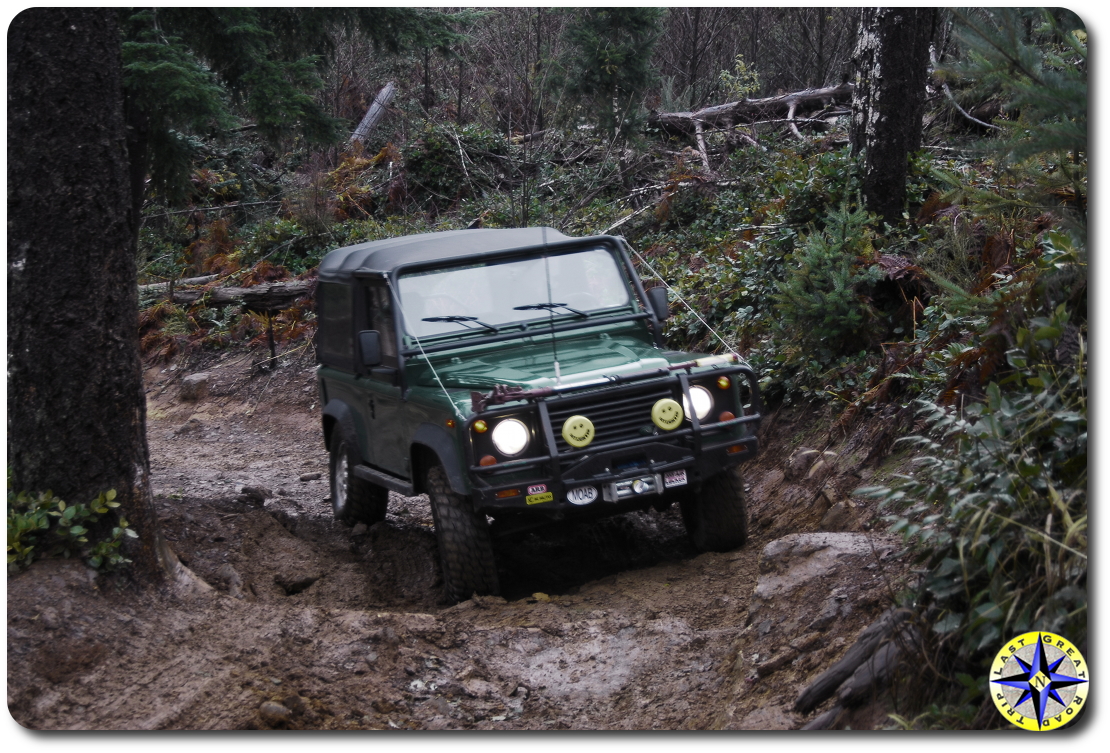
column 353, row 500
column 716, row 518
column 465, row 547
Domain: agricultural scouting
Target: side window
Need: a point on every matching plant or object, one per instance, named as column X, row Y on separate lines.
column 335, row 344
column 380, row 317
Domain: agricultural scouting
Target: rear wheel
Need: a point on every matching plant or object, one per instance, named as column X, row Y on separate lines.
column 465, row 548
column 353, row 500
column 716, row 518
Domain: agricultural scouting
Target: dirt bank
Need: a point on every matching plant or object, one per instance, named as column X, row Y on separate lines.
column 300, row 622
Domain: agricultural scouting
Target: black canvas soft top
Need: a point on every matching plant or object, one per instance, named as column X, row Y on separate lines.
column 387, row 255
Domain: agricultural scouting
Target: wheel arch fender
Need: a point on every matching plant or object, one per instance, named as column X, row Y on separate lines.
column 431, row 443
column 337, row 412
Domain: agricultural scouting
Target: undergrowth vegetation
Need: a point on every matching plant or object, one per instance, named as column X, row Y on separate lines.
column 969, row 317
column 42, row 526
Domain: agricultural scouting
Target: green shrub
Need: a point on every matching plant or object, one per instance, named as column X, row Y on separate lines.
column 42, row 526
column 822, row 305
column 997, row 508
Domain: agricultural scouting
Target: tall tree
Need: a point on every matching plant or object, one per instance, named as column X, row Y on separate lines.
column 892, row 55
column 194, row 72
column 76, row 405
column 608, row 63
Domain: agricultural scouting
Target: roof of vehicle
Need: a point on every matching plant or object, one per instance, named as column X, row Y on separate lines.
column 386, row 255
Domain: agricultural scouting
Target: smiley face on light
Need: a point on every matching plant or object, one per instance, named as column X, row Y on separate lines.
column 578, row 431
column 667, row 414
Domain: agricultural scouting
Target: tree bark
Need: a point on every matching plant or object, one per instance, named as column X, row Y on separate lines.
column 76, row 404
column 892, row 58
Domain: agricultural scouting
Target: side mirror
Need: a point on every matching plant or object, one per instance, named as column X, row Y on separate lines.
column 370, row 347
column 657, row 297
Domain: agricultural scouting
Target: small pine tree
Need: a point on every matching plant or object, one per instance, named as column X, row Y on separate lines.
column 822, row 303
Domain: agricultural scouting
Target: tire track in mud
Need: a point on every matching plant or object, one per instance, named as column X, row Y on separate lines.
column 307, row 623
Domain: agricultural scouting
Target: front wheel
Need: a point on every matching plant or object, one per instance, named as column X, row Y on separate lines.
column 716, row 518
column 353, row 500
column 465, row 548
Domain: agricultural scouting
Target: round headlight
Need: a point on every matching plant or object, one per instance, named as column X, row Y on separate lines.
column 702, row 400
column 510, row 437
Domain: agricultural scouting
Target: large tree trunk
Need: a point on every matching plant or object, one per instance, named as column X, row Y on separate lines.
column 76, row 406
column 892, row 56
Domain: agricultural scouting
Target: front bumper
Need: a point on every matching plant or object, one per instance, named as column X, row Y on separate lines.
column 624, row 475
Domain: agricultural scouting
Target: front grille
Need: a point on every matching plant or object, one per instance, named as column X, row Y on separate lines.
column 616, row 415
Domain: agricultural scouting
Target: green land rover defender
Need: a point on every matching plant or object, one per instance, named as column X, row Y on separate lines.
column 520, row 375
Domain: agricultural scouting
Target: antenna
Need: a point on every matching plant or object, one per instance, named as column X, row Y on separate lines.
column 550, row 307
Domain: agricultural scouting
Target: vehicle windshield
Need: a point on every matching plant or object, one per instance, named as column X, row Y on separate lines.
column 489, row 295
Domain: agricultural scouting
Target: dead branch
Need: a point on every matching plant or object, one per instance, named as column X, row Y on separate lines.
column 155, row 286
column 749, row 110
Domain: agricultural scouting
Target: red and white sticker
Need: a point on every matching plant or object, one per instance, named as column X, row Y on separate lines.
column 674, row 478
column 537, row 489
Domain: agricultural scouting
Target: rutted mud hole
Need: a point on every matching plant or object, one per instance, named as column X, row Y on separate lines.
column 298, row 621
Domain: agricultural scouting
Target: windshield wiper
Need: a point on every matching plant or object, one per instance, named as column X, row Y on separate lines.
column 459, row 319
column 548, row 306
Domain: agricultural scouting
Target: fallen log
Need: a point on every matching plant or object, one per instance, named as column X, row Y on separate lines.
column 269, row 296
column 156, row 286
column 374, row 115
column 866, row 645
column 730, row 114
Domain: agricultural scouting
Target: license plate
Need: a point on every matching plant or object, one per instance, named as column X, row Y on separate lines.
column 581, row 495
column 535, row 499
column 674, row 478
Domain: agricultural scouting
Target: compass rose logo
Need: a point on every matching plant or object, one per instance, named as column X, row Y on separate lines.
column 1039, row 681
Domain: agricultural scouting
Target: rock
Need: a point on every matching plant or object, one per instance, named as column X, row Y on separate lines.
column 806, row 642
column 777, row 662
column 839, row 517
column 480, row 688
column 311, row 476
column 49, row 617
column 799, row 462
column 359, row 529
column 273, row 713
column 820, row 574
column 294, row 583
column 194, row 387
column 254, row 495
column 766, row 718
column 230, row 577
column 193, row 424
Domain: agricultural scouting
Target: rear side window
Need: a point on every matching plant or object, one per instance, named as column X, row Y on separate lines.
column 335, row 333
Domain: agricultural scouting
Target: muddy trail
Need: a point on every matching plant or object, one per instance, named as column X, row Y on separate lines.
column 297, row 621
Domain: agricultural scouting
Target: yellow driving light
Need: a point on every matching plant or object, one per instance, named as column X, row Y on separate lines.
column 723, row 382
column 481, row 426
column 667, row 414
column 578, row 431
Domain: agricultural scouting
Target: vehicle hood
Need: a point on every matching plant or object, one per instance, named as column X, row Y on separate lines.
column 531, row 365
